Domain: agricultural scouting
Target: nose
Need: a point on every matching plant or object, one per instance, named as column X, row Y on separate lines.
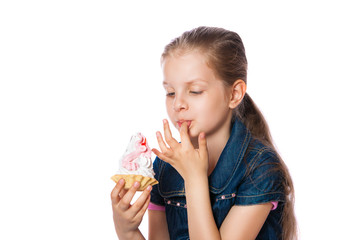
column 180, row 104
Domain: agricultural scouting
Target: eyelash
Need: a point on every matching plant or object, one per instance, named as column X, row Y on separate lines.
column 171, row 94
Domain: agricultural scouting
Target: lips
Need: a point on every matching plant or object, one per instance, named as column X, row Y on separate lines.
column 180, row 122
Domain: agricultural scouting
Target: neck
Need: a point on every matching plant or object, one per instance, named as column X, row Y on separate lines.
column 215, row 147
column 216, row 143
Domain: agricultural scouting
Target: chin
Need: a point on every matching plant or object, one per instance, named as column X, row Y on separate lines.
column 193, row 134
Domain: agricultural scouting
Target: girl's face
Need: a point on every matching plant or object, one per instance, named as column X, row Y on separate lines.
column 195, row 95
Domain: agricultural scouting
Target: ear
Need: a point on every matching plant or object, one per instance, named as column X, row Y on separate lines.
column 237, row 93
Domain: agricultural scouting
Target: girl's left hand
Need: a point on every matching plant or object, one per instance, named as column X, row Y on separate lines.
column 127, row 217
column 187, row 160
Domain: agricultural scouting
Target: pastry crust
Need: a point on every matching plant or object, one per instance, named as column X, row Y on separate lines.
column 131, row 178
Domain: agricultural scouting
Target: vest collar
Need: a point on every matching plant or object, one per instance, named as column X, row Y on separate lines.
column 230, row 158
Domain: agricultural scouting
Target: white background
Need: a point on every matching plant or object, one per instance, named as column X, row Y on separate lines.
column 78, row 78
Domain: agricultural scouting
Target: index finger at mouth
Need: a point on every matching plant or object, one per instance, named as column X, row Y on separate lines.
column 184, row 133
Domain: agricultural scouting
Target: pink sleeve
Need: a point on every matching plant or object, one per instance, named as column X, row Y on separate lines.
column 156, row 207
column 275, row 204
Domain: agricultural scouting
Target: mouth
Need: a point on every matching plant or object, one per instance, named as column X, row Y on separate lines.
column 180, row 122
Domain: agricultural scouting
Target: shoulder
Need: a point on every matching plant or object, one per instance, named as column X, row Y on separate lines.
column 158, row 165
column 263, row 178
column 170, row 181
column 260, row 155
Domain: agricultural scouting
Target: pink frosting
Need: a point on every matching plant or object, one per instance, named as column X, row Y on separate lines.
column 141, row 148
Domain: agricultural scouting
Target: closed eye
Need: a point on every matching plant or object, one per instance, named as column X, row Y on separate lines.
column 196, row 92
column 170, row 94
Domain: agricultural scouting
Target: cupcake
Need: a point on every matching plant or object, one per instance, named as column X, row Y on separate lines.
column 136, row 164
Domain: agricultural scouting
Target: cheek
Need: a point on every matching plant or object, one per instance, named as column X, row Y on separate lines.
column 215, row 111
column 169, row 108
column 168, row 104
column 211, row 105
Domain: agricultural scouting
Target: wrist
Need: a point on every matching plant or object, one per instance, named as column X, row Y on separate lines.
column 130, row 235
column 197, row 182
column 197, row 177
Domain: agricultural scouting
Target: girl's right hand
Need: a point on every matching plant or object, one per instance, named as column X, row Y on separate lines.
column 127, row 217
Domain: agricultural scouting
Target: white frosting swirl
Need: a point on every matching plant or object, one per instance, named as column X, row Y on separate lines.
column 137, row 158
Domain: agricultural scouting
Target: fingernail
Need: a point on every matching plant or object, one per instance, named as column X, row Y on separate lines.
column 149, row 188
column 121, row 181
column 136, row 184
column 164, row 121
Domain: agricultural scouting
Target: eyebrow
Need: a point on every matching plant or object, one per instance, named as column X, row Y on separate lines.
column 195, row 80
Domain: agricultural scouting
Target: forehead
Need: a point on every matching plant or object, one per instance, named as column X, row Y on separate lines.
column 187, row 68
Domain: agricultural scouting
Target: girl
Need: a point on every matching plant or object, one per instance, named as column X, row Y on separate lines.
column 224, row 180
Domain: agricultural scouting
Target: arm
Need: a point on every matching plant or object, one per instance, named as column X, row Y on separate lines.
column 201, row 221
column 158, row 229
column 252, row 218
column 192, row 165
column 200, row 216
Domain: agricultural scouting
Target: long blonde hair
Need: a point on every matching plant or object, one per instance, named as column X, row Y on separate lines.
column 226, row 56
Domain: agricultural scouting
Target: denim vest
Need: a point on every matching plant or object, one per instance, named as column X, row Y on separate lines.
column 246, row 174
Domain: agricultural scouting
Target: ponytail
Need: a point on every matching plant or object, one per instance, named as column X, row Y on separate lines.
column 250, row 115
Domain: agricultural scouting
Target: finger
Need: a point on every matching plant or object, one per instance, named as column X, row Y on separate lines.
column 184, row 134
column 115, row 198
column 161, row 142
column 202, row 145
column 162, row 145
column 124, row 204
column 122, row 193
column 168, row 136
column 139, row 204
column 142, row 211
column 160, row 155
